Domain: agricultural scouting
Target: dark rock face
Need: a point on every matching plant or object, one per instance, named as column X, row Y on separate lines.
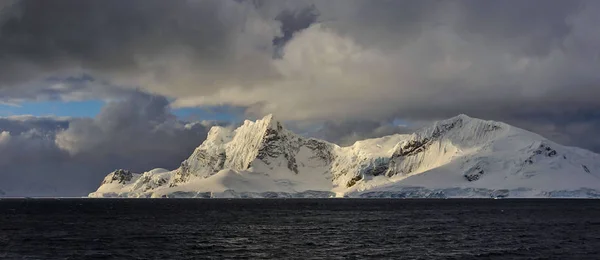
column 119, row 176
column 270, row 146
column 275, row 144
column 585, row 168
column 182, row 174
column 543, row 150
column 546, row 150
column 213, row 162
column 377, row 170
column 321, row 149
column 491, row 128
column 412, row 147
column 444, row 128
column 147, row 183
column 221, row 160
column 377, row 167
column 354, row 181
column 475, row 172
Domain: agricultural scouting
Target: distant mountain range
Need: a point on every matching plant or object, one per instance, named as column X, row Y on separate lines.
column 457, row 157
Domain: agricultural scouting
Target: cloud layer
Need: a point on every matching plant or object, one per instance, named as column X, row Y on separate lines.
column 70, row 157
column 310, row 60
column 455, row 57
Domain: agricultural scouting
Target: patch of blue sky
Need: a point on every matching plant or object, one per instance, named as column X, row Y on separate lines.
column 90, row 108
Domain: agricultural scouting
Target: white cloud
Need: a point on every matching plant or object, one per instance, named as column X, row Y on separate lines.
column 4, row 137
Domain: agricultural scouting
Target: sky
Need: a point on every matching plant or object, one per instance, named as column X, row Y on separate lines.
column 87, row 87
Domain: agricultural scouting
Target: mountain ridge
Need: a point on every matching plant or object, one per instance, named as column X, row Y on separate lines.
column 469, row 154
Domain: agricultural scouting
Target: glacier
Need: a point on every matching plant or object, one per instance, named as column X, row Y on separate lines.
column 460, row 157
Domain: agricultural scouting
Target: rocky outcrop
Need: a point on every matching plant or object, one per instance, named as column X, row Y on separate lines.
column 543, row 150
column 119, row 176
column 276, row 143
column 476, row 171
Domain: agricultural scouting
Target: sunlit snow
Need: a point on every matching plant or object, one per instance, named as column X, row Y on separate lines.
column 457, row 157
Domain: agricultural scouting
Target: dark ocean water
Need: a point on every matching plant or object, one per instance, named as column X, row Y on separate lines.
column 299, row 229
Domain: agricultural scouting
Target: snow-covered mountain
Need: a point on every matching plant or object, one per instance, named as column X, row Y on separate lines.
column 457, row 157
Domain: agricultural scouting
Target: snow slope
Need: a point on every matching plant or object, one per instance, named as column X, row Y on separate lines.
column 457, row 157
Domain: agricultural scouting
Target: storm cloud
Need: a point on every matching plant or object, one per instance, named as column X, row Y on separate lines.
column 336, row 59
column 170, row 47
column 457, row 57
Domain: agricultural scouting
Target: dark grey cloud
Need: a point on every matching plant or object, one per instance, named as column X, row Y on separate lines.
column 70, row 157
column 182, row 44
column 293, row 21
column 428, row 60
column 531, row 26
column 364, row 60
column 64, row 88
column 17, row 125
column 104, row 34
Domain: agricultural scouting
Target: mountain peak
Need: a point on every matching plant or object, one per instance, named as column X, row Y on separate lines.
column 468, row 123
column 271, row 122
column 458, row 118
column 268, row 117
column 268, row 122
column 463, row 117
